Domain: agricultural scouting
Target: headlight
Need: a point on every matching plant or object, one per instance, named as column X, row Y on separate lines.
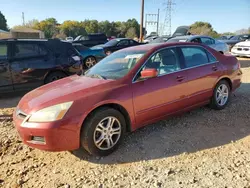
column 51, row 113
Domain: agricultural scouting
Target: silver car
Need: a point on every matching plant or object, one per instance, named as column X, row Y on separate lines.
column 213, row 43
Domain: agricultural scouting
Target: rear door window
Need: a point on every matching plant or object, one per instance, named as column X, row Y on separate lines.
column 24, row 50
column 207, row 41
column 194, row 56
column 3, row 51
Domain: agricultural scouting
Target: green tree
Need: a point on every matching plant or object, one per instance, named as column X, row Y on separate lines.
column 131, row 33
column 203, row 28
column 72, row 28
column 49, row 26
column 132, row 23
column 3, row 22
column 91, row 26
column 105, row 27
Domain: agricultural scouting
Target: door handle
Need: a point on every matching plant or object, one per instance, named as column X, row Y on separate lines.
column 180, row 78
column 214, row 68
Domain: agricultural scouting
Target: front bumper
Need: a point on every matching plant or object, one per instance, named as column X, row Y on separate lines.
column 240, row 53
column 63, row 135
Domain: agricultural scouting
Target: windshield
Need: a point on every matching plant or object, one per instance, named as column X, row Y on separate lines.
column 112, row 42
column 115, row 66
column 235, row 38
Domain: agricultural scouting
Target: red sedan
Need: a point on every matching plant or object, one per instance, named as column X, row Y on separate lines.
column 127, row 90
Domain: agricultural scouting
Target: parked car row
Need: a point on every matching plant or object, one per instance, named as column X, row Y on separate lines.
column 236, row 39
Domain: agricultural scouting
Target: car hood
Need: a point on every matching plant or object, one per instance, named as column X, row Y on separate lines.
column 245, row 43
column 64, row 90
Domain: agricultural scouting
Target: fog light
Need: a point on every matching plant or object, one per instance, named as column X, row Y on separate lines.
column 37, row 140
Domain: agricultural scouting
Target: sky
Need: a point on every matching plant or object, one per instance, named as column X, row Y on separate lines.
column 224, row 15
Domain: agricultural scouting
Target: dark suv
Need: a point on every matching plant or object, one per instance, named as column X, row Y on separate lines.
column 91, row 39
column 27, row 64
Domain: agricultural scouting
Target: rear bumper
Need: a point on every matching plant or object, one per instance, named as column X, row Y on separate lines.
column 61, row 135
column 236, row 81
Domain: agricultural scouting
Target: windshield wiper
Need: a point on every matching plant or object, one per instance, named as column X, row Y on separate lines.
column 98, row 76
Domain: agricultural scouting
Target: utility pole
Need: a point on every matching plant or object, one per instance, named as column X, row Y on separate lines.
column 153, row 21
column 168, row 18
column 158, row 20
column 142, row 20
column 23, row 18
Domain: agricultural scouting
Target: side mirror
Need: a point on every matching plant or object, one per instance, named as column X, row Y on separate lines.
column 149, row 73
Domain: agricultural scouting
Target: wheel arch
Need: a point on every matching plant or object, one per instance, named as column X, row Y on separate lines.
column 115, row 106
column 52, row 71
column 226, row 79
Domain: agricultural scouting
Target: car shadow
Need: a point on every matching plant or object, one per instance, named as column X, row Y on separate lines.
column 191, row 132
column 10, row 100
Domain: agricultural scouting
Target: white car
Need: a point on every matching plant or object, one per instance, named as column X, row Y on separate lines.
column 241, row 49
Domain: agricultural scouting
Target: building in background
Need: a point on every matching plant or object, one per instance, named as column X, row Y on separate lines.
column 26, row 33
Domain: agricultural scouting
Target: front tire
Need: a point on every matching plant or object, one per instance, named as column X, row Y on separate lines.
column 103, row 131
column 221, row 95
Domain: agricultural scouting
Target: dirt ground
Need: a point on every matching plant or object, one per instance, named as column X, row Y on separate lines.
column 202, row 148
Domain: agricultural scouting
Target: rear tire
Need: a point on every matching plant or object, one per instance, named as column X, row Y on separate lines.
column 103, row 131
column 90, row 62
column 54, row 76
column 221, row 95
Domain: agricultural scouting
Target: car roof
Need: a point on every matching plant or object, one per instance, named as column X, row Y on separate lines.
column 190, row 36
column 156, row 46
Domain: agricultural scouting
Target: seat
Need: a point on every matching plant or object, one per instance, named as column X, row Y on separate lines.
column 169, row 63
column 198, row 59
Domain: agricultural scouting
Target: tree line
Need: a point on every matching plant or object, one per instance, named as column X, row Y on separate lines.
column 129, row 28
column 52, row 29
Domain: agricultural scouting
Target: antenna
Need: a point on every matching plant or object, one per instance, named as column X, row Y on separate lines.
column 23, row 18
column 168, row 18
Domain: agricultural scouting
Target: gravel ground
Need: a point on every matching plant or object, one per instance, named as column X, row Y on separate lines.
column 202, row 148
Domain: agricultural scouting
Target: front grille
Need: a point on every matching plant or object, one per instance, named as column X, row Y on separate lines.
column 239, row 49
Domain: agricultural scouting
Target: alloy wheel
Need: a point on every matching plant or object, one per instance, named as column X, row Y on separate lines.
column 222, row 94
column 107, row 133
column 90, row 62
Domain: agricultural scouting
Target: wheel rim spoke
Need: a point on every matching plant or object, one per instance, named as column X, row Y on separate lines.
column 115, row 131
column 100, row 128
column 110, row 122
column 107, row 133
column 100, row 141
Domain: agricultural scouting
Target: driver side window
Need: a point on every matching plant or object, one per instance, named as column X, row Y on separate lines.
column 165, row 62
